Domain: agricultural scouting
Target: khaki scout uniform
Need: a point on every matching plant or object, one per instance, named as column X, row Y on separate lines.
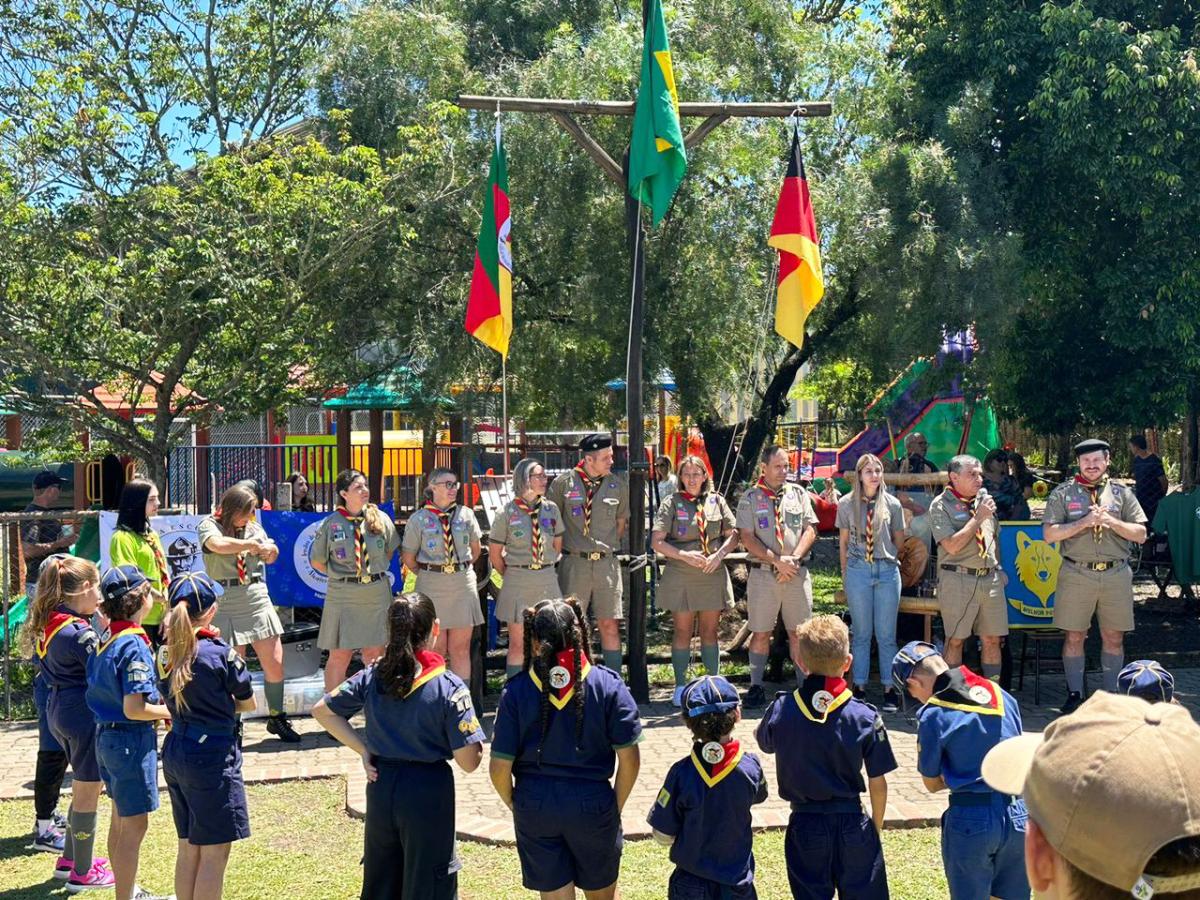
column 449, row 583
column 685, row 588
column 355, row 613
column 526, row 580
column 1095, row 577
column 766, row 596
column 589, row 570
column 970, row 593
column 245, row 613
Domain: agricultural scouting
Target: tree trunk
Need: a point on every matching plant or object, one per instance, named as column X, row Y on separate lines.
column 1062, row 452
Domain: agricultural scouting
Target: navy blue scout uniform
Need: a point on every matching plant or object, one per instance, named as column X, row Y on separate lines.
column 202, row 762
column 410, row 851
column 63, row 650
column 564, row 808
column 123, row 664
column 824, row 737
column 705, row 805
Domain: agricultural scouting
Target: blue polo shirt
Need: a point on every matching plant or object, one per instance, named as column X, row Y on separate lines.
column 706, row 808
column 219, row 676
column 610, row 722
column 63, row 651
column 433, row 720
column 121, row 665
column 967, row 716
column 823, row 738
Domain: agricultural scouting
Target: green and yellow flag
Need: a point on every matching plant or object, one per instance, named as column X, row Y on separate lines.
column 657, row 159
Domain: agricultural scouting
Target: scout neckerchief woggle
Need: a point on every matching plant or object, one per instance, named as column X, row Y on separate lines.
column 360, row 545
column 870, row 536
column 775, row 499
column 1094, row 489
column 590, row 486
column 701, row 501
column 444, row 517
column 535, row 528
column 972, row 505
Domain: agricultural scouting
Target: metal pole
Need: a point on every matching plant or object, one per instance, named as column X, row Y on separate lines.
column 5, row 584
column 504, row 406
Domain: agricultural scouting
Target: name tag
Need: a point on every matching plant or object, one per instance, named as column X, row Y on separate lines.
column 611, row 501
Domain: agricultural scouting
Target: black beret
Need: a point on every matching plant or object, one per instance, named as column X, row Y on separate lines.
column 595, row 442
column 1091, row 445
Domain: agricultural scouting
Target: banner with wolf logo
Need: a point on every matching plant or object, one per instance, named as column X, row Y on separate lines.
column 1032, row 566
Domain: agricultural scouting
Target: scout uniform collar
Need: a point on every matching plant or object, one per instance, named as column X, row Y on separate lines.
column 714, row 760
column 432, row 665
column 121, row 627
column 59, row 619
column 350, row 517
column 969, row 501
column 963, row 690
column 819, row 696
column 562, row 677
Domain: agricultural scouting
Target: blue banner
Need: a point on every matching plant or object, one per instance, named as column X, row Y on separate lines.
column 291, row 579
column 1032, row 567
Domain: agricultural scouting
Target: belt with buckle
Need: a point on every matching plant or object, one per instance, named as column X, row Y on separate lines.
column 532, row 566
column 444, row 568
column 233, row 582
column 594, row 555
column 966, row 570
column 1102, row 566
column 361, row 579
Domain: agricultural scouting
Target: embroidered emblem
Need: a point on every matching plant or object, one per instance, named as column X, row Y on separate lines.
column 713, row 752
column 980, row 694
column 821, row 701
column 559, row 678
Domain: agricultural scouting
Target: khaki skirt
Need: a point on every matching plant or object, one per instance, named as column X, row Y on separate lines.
column 454, row 595
column 685, row 588
column 245, row 615
column 523, row 588
column 355, row 615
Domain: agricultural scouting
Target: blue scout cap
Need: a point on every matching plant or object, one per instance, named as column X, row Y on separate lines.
column 910, row 655
column 708, row 694
column 1147, row 679
column 120, row 580
column 195, row 589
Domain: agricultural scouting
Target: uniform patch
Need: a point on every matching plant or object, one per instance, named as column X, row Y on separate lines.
column 469, row 726
column 980, row 694
column 342, row 688
column 611, row 501
column 461, row 699
column 664, row 797
column 137, row 672
column 518, row 532
column 560, row 677
column 821, row 701
column 682, row 530
column 339, row 553
column 762, row 522
column 88, row 639
column 236, row 658
column 547, row 523
column 881, row 730
column 712, row 752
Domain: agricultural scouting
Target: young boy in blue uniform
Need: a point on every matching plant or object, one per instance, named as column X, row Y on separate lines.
column 824, row 737
column 123, row 695
column 561, row 726
column 703, row 810
column 963, row 717
column 206, row 685
column 419, row 715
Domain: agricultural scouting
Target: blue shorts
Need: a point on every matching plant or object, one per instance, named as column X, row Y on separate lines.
column 41, row 699
column 208, row 797
column 128, row 758
column 686, row 886
column 568, row 831
column 834, row 846
column 983, row 847
column 74, row 726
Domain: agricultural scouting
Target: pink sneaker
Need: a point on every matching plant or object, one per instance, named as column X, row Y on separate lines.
column 63, row 868
column 99, row 876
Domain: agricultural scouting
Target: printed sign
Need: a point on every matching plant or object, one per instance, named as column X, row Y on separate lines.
column 1032, row 567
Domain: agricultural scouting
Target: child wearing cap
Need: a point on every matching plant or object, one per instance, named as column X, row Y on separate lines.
column 1113, row 791
column 963, row 717
column 1146, row 678
column 206, row 685
column 824, row 737
column 703, row 810
column 123, row 695
column 561, row 726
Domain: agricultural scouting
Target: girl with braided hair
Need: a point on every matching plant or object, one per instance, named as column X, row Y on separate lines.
column 419, row 715
column 562, row 727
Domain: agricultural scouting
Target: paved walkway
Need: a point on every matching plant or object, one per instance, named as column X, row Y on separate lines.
column 482, row 817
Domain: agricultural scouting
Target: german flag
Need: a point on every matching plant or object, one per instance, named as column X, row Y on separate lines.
column 794, row 235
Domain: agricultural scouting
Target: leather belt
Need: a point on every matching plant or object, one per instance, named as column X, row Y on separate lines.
column 593, row 556
column 233, row 582
column 360, row 579
column 444, row 568
column 1102, row 566
column 967, row 570
column 533, row 567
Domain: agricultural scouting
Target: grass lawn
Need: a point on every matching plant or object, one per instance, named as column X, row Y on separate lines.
column 304, row 847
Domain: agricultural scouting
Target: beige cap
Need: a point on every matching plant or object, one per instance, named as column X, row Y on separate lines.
column 1109, row 785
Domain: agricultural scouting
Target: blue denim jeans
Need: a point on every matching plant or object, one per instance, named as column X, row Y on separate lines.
column 873, row 594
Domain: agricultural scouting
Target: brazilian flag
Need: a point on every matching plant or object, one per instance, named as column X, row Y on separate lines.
column 657, row 159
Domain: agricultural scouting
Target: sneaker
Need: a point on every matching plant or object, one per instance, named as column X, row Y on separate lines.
column 140, row 893
column 52, row 840
column 98, row 877
column 63, row 868
column 60, row 821
column 860, row 692
column 891, row 700
column 279, row 726
column 1074, row 699
column 677, row 697
column 756, row 697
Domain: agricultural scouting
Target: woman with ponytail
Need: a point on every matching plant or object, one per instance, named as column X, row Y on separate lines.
column 562, row 726
column 354, row 548
column 59, row 633
column 135, row 543
column 419, row 715
column 205, row 684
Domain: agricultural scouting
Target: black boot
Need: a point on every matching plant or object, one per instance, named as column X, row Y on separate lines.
column 279, row 726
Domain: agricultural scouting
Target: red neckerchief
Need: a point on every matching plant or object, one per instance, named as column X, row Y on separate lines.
column 445, row 516
column 962, row 689
column 980, row 544
column 58, row 620
column 713, row 772
column 117, row 627
column 701, row 520
column 561, row 695
column 210, row 633
column 590, row 486
column 432, row 665
column 819, row 696
column 775, row 496
column 535, row 527
column 1094, row 489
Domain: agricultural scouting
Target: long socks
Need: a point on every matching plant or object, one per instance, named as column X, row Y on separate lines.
column 612, row 659
column 83, row 834
column 680, row 657
column 758, row 667
column 710, row 655
column 1111, row 663
column 273, row 691
column 1073, row 667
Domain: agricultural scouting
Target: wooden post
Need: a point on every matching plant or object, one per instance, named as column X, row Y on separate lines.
column 375, row 456
column 12, row 432
column 343, row 444
column 203, row 494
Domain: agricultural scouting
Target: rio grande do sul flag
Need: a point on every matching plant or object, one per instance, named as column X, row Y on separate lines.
column 489, row 306
column 794, row 235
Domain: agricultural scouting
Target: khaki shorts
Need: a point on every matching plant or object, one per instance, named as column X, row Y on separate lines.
column 1082, row 592
column 355, row 615
column 684, row 588
column 455, row 596
column 972, row 604
column 595, row 584
column 245, row 615
column 766, row 598
column 522, row 589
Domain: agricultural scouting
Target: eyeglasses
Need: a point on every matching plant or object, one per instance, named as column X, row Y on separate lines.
column 452, row 485
column 539, row 475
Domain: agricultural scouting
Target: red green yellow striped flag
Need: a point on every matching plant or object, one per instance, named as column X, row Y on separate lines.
column 489, row 306
column 794, row 235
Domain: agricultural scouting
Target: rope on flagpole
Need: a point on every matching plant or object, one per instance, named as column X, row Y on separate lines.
column 503, row 356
